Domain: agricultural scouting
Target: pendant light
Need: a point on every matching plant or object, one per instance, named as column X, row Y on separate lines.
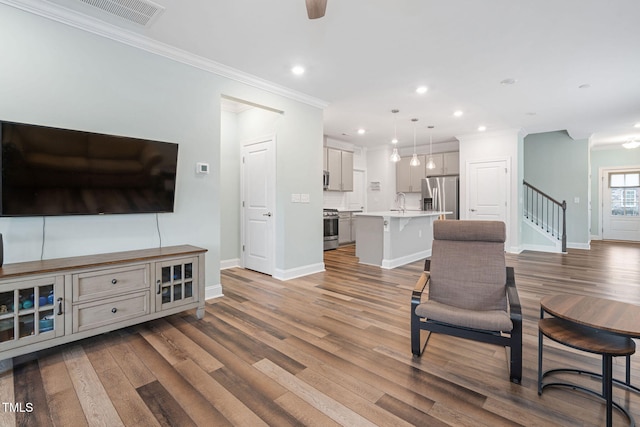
column 414, row 160
column 431, row 164
column 395, row 157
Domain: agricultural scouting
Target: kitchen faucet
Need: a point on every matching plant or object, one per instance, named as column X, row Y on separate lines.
column 403, row 197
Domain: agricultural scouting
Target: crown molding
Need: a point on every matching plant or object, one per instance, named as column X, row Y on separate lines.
column 94, row 26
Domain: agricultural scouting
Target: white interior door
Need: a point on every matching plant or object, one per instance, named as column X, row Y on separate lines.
column 258, row 200
column 620, row 190
column 487, row 190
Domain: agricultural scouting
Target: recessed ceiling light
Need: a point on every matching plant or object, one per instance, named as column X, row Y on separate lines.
column 508, row 81
column 531, row 113
column 482, row 128
column 298, row 70
column 458, row 113
column 584, row 86
column 361, row 131
column 637, row 125
column 422, row 90
column 631, row 144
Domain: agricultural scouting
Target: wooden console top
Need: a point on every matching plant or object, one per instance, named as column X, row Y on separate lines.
column 8, row 271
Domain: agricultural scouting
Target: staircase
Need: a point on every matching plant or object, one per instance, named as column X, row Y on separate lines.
column 546, row 216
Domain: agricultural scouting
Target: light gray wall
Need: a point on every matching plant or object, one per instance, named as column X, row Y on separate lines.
column 617, row 157
column 59, row 76
column 229, row 188
column 380, row 169
column 559, row 165
column 496, row 146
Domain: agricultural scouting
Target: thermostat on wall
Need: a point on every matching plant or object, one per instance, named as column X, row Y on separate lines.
column 202, row 168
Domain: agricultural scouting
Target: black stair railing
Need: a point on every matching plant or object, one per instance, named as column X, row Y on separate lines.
column 545, row 212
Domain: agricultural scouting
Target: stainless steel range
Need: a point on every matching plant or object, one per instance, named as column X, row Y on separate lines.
column 330, row 218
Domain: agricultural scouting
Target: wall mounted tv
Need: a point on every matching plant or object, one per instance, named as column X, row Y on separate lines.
column 49, row 171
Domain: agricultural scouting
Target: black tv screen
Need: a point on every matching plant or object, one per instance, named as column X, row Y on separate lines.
column 49, row 171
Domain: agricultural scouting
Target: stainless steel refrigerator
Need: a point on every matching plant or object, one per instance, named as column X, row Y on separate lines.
column 441, row 193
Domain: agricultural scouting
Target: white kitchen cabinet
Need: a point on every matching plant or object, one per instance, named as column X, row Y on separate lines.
column 409, row 178
column 451, row 163
column 340, row 167
column 439, row 162
column 344, row 228
column 347, row 227
column 446, row 164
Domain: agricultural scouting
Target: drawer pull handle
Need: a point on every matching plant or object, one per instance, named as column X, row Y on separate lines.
column 59, row 306
column 114, row 281
column 159, row 283
column 113, row 310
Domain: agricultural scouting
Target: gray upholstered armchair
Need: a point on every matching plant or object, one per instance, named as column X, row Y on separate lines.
column 471, row 292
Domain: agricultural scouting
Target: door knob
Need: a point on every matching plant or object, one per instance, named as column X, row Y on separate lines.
column 267, row 214
column 472, row 210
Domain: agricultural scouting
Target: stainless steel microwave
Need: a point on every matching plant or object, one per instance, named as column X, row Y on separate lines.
column 325, row 180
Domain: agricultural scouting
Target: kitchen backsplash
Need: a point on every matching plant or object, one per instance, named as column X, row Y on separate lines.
column 335, row 199
column 340, row 200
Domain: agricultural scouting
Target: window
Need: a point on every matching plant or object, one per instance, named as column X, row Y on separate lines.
column 625, row 193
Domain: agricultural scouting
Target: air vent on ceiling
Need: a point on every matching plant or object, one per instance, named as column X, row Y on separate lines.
column 141, row 12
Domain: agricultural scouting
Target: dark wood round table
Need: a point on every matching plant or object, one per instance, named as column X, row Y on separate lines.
column 596, row 325
column 600, row 313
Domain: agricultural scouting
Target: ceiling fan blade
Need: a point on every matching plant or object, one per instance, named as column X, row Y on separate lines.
column 316, row 8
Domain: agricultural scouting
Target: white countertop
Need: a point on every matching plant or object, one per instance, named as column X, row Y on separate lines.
column 405, row 214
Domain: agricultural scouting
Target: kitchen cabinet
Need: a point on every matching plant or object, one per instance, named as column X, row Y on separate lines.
column 446, row 164
column 409, row 178
column 451, row 163
column 439, row 162
column 57, row 301
column 340, row 167
column 354, row 219
column 347, row 227
column 344, row 228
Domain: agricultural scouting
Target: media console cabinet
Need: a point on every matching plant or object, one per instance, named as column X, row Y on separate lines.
column 51, row 302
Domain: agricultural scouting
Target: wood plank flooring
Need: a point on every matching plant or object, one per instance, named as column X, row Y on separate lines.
column 323, row 350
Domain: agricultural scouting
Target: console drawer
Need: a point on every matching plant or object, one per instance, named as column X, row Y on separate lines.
column 112, row 281
column 95, row 314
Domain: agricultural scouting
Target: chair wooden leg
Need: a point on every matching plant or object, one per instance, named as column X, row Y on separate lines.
column 415, row 333
column 516, row 353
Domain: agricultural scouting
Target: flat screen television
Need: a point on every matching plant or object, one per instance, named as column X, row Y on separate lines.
column 49, row 171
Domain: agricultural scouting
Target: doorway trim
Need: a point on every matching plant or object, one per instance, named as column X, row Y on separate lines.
column 602, row 185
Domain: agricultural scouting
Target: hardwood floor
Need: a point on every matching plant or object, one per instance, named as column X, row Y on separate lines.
column 327, row 349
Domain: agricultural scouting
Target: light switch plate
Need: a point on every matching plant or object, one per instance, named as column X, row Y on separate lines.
column 295, row 198
column 304, row 198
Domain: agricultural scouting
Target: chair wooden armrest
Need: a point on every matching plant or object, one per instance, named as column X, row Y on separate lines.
column 421, row 284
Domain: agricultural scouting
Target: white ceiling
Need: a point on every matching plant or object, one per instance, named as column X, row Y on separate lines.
column 366, row 57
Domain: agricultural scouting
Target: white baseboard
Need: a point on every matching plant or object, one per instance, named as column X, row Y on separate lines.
column 586, row 246
column 214, row 291
column 397, row 262
column 542, row 248
column 229, row 263
column 298, row 271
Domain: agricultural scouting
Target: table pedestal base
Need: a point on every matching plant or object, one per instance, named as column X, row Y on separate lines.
column 591, row 341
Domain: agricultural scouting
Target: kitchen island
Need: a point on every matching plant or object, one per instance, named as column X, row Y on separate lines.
column 390, row 239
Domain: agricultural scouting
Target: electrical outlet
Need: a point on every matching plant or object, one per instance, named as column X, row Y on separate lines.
column 304, row 198
column 295, row 197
